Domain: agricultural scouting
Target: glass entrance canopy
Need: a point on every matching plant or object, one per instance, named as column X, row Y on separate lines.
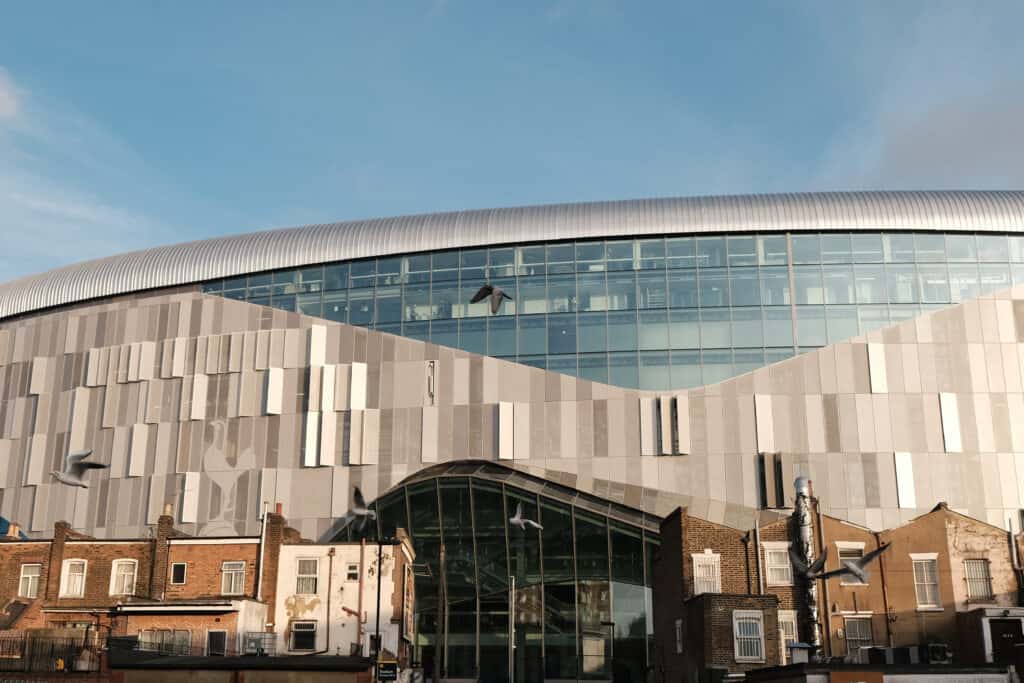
column 663, row 313
column 578, row 590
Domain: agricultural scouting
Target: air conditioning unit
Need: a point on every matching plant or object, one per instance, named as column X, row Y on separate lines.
column 936, row 653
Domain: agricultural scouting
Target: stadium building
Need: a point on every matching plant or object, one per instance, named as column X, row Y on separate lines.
column 700, row 352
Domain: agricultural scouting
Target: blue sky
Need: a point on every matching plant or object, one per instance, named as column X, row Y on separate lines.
column 129, row 124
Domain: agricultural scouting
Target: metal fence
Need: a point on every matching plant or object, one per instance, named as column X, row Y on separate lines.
column 40, row 654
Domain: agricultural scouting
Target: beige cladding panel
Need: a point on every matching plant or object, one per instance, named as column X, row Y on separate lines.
column 273, row 393
column 506, row 431
column 648, row 426
column 683, row 423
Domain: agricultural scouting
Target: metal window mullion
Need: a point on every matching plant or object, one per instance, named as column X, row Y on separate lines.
column 611, row 591
column 792, row 290
column 476, row 561
column 575, row 588
column 543, row 599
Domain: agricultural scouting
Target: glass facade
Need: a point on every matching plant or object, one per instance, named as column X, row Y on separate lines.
column 658, row 314
column 578, row 591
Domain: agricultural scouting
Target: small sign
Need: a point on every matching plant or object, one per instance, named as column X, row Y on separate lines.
column 387, row 671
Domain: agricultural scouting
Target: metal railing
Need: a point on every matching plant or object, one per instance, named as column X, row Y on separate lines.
column 32, row 653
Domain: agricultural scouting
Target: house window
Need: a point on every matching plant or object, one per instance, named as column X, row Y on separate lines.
column 748, row 635
column 216, row 643
column 707, row 577
column 306, row 574
column 303, row 635
column 850, row 551
column 787, row 631
column 28, row 586
column 778, row 568
column 979, row 580
column 232, row 578
column 352, row 572
column 926, row 580
column 122, row 577
column 72, row 579
column 178, row 641
column 178, row 574
column 679, row 636
column 858, row 634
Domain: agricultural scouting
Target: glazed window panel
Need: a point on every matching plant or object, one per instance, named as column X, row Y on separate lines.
column 445, row 332
column 531, row 261
column 682, row 252
column 560, row 259
column 745, row 287
column 933, row 281
column 684, row 329
column 122, row 580
column 714, row 287
column 417, row 268
column 808, row 284
column 993, row 277
column 360, row 306
column 652, row 254
column 619, row 254
column 711, row 252
column 592, row 292
column 473, row 335
column 28, row 583
column 929, row 247
column 979, row 580
column 502, row 262
column 961, row 248
column 501, row 337
column 772, row 250
column 653, row 330
column 232, row 578
column 716, row 366
column 867, row 247
column 841, row 323
column 589, row 257
column 747, row 329
column 715, row 329
column 444, row 266
column 901, row 281
column 593, row 332
column 362, row 274
column 682, row 288
column 858, row 634
column 775, row 286
column 533, row 335
column 533, row 297
column 621, row 291
column 686, row 369
column 926, row 583
column 806, row 248
column 622, row 335
column 622, row 370
column 561, row 294
column 748, row 634
column 778, row 326
column 307, row 572
column 964, row 284
column 899, row 248
column 810, row 326
column 562, row 333
column 655, row 371
column 836, row 248
column 742, row 250
column 444, row 300
column 652, row 290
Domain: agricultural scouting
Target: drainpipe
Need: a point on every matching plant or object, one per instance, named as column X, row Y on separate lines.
column 330, row 577
column 359, row 621
column 263, row 543
column 806, row 547
column 827, row 623
column 757, row 551
column 1018, row 571
column 885, row 593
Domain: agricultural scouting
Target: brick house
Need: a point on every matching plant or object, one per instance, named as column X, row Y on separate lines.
column 945, row 580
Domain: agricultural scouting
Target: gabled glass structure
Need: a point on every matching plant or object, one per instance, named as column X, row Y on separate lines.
column 582, row 584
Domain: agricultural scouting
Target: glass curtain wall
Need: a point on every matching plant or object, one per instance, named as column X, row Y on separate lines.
column 657, row 314
column 578, row 592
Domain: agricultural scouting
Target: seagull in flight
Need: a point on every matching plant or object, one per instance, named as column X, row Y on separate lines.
column 75, row 467
column 495, row 293
column 803, row 570
column 520, row 522
column 856, row 567
column 361, row 510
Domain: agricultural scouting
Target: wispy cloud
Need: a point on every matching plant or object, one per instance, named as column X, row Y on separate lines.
column 944, row 102
column 65, row 186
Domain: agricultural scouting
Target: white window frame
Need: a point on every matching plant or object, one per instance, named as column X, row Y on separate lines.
column 771, row 547
column 707, row 559
column 739, row 615
column 982, row 599
column 847, row 579
column 113, row 575
column 22, row 591
column 846, row 634
column 292, row 630
column 299, row 576
column 350, row 568
column 184, row 573
column 787, row 616
column 926, row 557
column 65, row 573
column 225, row 571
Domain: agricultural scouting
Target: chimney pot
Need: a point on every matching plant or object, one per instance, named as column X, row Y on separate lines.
column 168, row 509
column 14, row 531
column 278, row 507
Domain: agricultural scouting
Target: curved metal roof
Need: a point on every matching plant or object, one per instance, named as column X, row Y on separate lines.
column 290, row 247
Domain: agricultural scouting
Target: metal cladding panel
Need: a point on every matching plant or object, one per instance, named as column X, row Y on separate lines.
column 194, row 262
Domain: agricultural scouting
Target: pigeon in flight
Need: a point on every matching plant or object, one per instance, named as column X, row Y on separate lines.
column 361, row 510
column 518, row 520
column 495, row 293
column 803, row 570
column 75, row 467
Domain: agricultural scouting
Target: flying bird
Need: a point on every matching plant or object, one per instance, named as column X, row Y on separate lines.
column 857, row 567
column 801, row 567
column 75, row 468
column 496, row 294
column 520, row 522
column 361, row 510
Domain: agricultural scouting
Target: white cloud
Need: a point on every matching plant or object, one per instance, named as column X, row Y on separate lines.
column 69, row 189
column 8, row 96
column 944, row 106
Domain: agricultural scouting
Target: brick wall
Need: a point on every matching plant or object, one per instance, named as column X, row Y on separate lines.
column 710, row 621
column 13, row 554
column 196, row 624
column 203, row 567
column 100, row 557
